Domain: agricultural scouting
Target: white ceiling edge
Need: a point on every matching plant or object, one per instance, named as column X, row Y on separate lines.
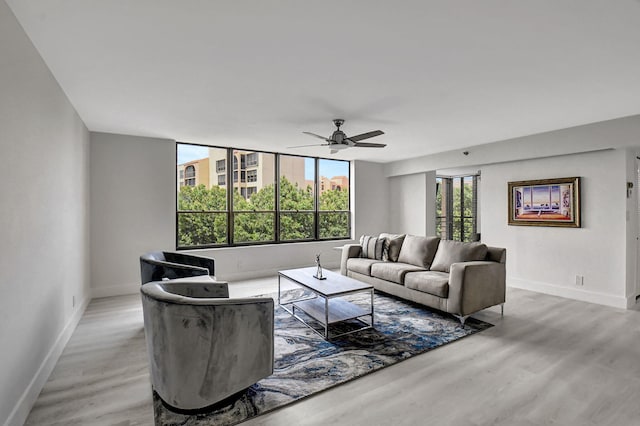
column 434, row 75
column 611, row 134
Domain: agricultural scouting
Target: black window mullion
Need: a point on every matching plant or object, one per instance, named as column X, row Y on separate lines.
column 230, row 218
column 474, row 207
column 462, row 209
column 276, row 221
column 316, row 200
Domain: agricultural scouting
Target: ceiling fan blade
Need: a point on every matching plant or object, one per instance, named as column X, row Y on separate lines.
column 317, row 136
column 313, row 144
column 369, row 145
column 367, row 135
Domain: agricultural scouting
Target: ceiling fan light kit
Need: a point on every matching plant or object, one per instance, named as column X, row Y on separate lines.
column 339, row 140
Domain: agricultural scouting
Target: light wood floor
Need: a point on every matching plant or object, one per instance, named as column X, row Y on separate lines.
column 548, row 361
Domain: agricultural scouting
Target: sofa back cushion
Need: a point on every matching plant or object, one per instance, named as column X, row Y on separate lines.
column 391, row 247
column 418, row 251
column 371, row 247
column 450, row 252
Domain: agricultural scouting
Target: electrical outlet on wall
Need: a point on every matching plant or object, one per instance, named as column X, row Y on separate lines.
column 579, row 280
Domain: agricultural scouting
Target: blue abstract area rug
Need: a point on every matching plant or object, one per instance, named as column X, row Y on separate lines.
column 306, row 364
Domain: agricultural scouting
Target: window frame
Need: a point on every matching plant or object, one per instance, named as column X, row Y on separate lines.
column 230, row 212
column 445, row 187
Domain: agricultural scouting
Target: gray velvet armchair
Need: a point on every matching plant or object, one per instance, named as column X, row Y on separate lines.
column 159, row 265
column 203, row 347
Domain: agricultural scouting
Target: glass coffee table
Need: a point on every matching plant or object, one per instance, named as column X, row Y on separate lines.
column 329, row 302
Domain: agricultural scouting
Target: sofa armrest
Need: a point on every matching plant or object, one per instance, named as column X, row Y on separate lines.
column 476, row 285
column 349, row 251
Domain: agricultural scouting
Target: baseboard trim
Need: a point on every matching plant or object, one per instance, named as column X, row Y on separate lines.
column 115, row 290
column 570, row 293
column 23, row 407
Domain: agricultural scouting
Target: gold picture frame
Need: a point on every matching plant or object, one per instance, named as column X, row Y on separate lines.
column 545, row 202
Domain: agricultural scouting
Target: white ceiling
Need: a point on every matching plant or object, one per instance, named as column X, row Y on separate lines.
column 434, row 75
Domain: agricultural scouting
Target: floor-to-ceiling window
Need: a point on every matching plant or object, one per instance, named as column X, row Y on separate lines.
column 457, row 208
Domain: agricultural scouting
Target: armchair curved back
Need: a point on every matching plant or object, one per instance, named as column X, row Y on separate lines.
column 159, row 265
column 204, row 348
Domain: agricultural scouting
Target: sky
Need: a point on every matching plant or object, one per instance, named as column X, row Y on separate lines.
column 191, row 152
column 328, row 168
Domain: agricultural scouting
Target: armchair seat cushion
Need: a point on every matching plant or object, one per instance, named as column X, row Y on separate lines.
column 393, row 271
column 432, row 282
column 361, row 265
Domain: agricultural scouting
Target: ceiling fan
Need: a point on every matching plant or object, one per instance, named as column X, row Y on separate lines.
column 339, row 140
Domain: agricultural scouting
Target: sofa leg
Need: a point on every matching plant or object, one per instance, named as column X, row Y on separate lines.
column 461, row 318
column 502, row 310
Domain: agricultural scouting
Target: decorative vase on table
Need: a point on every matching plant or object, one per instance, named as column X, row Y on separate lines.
column 318, row 274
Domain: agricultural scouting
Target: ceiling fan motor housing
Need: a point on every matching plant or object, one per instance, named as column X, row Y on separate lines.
column 338, row 136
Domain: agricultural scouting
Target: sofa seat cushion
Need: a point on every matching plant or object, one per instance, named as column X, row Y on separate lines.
column 393, row 271
column 432, row 282
column 361, row 265
column 418, row 251
column 450, row 252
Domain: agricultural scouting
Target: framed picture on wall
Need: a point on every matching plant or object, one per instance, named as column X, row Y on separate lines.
column 545, row 202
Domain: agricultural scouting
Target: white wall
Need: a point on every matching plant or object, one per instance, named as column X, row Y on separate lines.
column 371, row 199
column 542, row 259
column 44, row 221
column 412, row 204
column 633, row 228
column 133, row 200
column 618, row 133
column 133, row 211
column 238, row 263
column 548, row 259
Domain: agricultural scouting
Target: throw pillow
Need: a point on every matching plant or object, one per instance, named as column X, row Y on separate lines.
column 371, row 247
column 391, row 247
column 418, row 251
column 450, row 252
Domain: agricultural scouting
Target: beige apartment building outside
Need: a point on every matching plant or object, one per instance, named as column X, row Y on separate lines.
column 251, row 172
column 194, row 173
column 332, row 184
column 254, row 170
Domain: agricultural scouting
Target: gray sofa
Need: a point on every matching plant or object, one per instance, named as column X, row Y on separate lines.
column 455, row 277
